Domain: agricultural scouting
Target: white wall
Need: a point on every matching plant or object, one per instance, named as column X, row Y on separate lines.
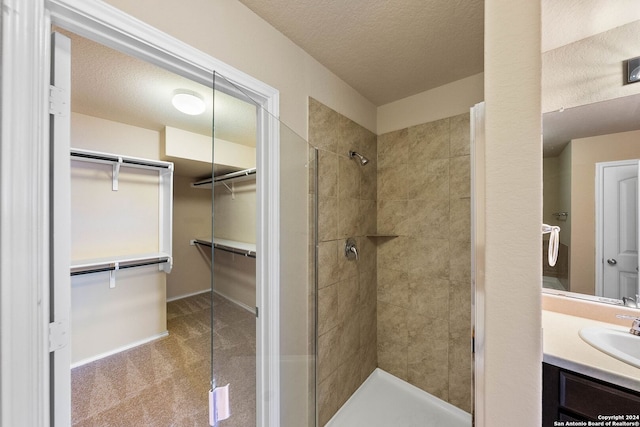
column 107, row 223
column 513, row 197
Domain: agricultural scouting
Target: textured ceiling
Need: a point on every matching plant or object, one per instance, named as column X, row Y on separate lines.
column 114, row 86
column 567, row 21
column 386, row 50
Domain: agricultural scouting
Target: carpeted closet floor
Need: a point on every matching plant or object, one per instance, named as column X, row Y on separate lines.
column 166, row 382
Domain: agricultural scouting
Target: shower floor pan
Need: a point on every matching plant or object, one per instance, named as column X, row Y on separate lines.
column 385, row 400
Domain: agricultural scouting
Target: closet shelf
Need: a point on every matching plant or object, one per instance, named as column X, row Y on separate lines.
column 239, row 248
column 239, row 176
column 134, row 162
column 96, row 265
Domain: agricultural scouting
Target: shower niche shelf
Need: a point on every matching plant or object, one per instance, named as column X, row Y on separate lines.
column 381, row 235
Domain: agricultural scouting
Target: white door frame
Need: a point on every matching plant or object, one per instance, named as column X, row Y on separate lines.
column 24, row 190
column 599, row 196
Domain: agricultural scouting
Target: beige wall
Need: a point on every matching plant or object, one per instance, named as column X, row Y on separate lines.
column 589, row 70
column 511, row 353
column 346, row 288
column 585, row 153
column 110, row 223
column 191, row 219
column 424, row 283
column 439, row 103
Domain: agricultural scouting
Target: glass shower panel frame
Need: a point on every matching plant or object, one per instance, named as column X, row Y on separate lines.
column 296, row 291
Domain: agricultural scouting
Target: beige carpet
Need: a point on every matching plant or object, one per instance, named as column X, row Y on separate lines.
column 166, row 382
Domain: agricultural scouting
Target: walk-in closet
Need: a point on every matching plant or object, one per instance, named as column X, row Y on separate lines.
column 161, row 215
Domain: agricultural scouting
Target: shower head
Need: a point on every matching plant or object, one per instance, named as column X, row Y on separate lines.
column 363, row 160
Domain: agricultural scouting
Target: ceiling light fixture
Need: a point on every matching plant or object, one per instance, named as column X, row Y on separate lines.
column 633, row 70
column 188, row 102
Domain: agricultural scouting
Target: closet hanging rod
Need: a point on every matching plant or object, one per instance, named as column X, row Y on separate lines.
column 113, row 158
column 232, row 176
column 117, row 266
column 237, row 251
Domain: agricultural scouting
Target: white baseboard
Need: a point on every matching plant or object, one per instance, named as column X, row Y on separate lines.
column 119, row 349
column 236, row 302
column 187, row 295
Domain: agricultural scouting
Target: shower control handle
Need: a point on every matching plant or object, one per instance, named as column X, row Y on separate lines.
column 350, row 250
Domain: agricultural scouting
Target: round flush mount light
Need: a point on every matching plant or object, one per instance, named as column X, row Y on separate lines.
column 188, row 102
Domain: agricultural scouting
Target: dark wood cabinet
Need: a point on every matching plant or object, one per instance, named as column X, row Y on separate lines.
column 569, row 396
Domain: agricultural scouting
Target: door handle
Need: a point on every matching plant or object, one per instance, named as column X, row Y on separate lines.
column 612, row 261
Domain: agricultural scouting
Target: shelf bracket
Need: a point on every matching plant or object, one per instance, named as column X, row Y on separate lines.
column 116, row 174
column 112, row 275
column 231, row 189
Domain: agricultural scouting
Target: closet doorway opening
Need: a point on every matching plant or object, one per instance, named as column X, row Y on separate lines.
column 147, row 343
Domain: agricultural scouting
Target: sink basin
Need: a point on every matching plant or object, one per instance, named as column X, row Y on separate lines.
column 617, row 343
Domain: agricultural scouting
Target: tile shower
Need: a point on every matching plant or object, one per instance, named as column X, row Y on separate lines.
column 405, row 305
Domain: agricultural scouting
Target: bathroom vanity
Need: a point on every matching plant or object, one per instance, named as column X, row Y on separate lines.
column 580, row 382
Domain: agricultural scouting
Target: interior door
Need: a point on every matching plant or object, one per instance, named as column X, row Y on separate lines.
column 60, row 292
column 620, row 229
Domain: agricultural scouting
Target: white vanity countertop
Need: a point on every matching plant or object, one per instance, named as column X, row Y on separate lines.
column 563, row 347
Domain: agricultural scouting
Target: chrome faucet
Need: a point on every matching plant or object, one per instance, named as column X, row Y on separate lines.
column 631, row 302
column 635, row 325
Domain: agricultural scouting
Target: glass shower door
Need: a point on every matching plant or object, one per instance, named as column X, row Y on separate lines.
column 263, row 264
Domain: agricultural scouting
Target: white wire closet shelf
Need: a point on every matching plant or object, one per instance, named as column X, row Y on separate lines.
column 163, row 256
column 238, row 248
column 239, row 176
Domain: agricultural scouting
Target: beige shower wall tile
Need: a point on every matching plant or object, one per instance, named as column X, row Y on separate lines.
column 393, row 287
column 392, row 339
column 347, row 267
column 328, row 352
column 349, row 343
column 460, row 177
column 460, row 373
column 327, row 308
column 323, row 132
column 369, row 144
column 327, row 174
column 394, row 217
column 429, row 141
column 460, row 135
column 368, row 326
column 428, row 297
column 349, row 380
column 460, row 312
column 428, row 180
column 368, row 217
column 428, row 257
column 429, row 217
column 327, row 218
column 460, row 262
column 348, row 215
column 460, row 219
column 368, row 256
column 348, row 178
column 328, row 398
column 428, row 354
column 328, row 272
column 369, row 180
column 349, row 136
column 393, row 183
column 348, row 299
column 393, row 253
column 393, row 149
column 368, row 361
column 368, row 286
